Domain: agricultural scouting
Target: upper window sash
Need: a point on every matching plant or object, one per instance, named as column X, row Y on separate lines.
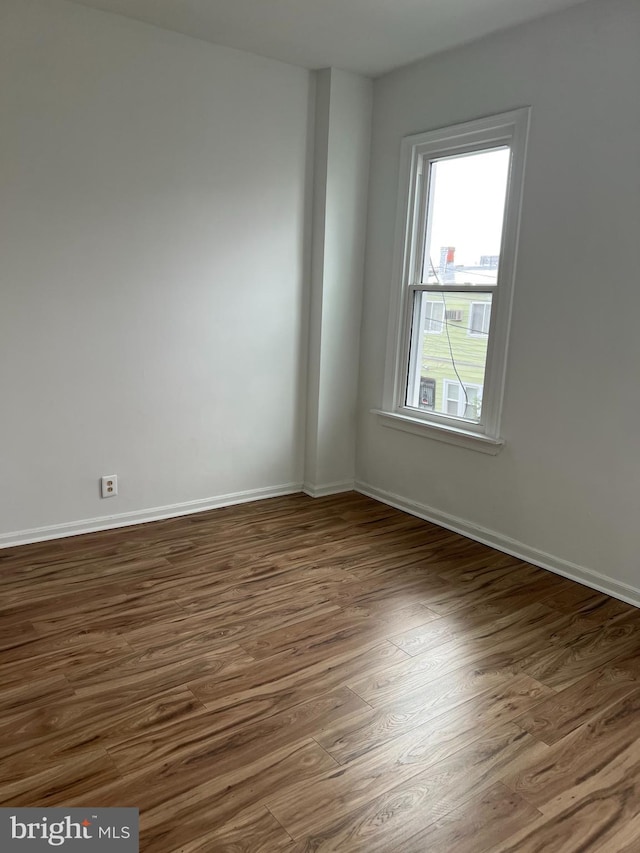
column 423, row 189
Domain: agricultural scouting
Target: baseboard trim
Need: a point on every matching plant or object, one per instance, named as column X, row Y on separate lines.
column 127, row 519
column 572, row 571
column 328, row 489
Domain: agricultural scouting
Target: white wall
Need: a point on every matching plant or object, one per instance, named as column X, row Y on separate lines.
column 565, row 489
column 341, row 154
column 152, row 267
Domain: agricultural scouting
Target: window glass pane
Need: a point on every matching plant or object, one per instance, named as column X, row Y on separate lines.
column 465, row 213
column 452, row 364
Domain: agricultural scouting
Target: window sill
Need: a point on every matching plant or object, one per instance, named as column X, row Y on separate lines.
column 450, row 435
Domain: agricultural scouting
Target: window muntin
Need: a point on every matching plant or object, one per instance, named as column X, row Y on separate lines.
column 457, row 275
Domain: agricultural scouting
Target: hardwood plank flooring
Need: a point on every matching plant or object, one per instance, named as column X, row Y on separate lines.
column 319, row 675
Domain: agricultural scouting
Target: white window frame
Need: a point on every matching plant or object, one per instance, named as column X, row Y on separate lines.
column 470, row 330
column 417, row 153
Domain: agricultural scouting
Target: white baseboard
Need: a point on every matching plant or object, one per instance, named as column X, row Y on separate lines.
column 126, row 519
column 588, row 577
column 328, row 489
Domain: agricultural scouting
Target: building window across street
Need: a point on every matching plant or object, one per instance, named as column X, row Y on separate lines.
column 479, row 317
column 462, row 401
column 433, row 317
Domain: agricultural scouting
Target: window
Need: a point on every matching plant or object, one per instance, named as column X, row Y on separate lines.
column 462, row 400
column 434, row 316
column 479, row 317
column 459, row 208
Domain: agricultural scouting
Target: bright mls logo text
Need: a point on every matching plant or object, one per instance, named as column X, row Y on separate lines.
column 74, row 830
column 57, row 832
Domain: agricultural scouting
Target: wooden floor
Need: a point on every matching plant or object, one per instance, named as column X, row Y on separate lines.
column 319, row 675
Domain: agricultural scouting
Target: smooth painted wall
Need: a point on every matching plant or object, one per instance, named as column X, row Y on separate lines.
column 567, row 482
column 153, row 191
column 341, row 155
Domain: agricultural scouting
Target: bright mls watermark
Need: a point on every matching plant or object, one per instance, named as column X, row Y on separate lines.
column 80, row 830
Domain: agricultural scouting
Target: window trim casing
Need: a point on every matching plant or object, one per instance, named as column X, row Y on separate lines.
column 510, row 128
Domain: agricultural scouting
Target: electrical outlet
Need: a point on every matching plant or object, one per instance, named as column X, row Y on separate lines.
column 109, row 485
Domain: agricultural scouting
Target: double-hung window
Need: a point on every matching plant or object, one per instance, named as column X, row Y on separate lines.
column 459, row 207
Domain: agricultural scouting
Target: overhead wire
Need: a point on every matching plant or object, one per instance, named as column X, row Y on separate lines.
column 455, row 325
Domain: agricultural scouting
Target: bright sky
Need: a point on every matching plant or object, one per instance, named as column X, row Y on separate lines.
column 468, row 207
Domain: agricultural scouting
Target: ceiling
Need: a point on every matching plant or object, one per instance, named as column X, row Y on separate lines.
column 366, row 36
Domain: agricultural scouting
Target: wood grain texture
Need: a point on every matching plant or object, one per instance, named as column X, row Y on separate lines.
column 319, row 675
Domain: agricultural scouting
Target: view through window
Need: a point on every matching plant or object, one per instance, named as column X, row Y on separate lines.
column 460, row 262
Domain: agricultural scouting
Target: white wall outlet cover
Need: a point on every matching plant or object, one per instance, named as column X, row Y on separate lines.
column 109, row 485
